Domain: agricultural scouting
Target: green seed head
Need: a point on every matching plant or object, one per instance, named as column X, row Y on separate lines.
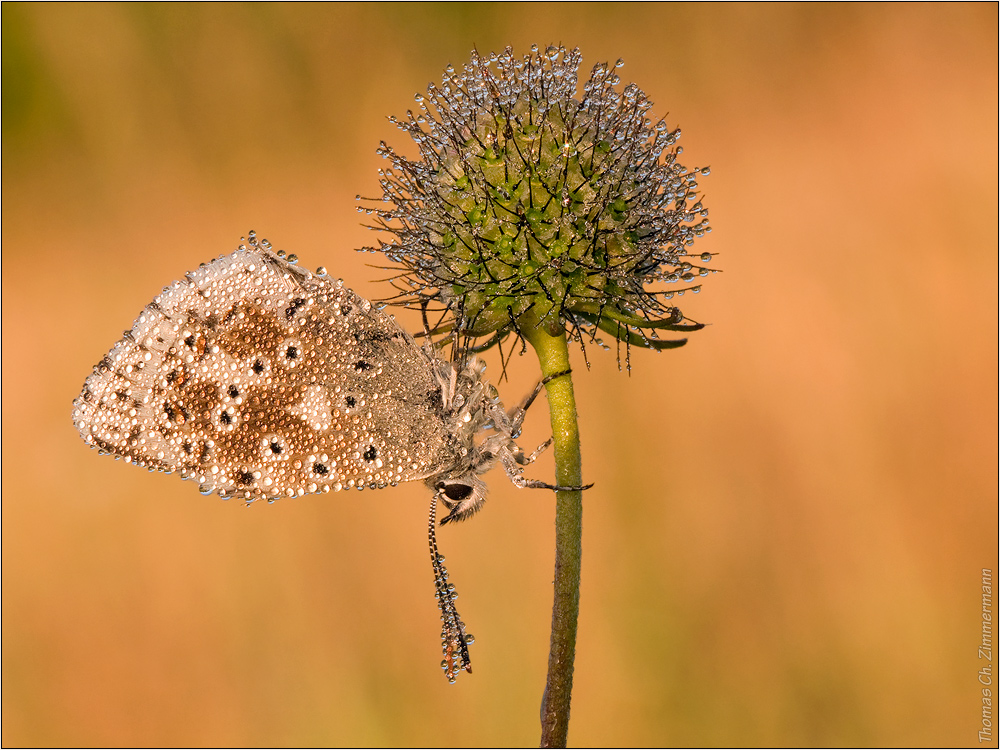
column 529, row 206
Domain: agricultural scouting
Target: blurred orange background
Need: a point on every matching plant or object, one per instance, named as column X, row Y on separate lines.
column 785, row 541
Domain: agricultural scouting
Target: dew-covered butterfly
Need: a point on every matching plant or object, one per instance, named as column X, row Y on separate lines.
column 260, row 380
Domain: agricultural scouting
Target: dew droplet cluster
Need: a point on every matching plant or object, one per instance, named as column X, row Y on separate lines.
column 526, row 199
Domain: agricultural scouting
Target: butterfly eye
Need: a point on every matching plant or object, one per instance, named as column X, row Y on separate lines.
column 457, row 491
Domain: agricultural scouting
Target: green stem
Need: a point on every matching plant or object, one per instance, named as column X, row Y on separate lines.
column 553, row 356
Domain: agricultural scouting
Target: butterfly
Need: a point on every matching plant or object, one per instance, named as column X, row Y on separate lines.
column 260, row 380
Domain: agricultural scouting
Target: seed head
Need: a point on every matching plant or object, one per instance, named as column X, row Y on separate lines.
column 530, row 207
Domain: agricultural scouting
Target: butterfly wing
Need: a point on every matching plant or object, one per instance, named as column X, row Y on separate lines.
column 258, row 379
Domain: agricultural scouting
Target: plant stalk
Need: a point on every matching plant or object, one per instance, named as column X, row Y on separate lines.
column 553, row 356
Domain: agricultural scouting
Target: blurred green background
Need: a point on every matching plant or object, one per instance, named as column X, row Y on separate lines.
column 790, row 516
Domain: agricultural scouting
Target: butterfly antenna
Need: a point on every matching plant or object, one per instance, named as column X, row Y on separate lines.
column 454, row 640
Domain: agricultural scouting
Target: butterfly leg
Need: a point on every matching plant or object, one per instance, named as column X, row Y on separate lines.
column 530, row 459
column 537, row 484
column 512, row 458
column 517, row 414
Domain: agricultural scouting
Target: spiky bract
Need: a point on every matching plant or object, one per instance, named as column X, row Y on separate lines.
column 530, row 207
